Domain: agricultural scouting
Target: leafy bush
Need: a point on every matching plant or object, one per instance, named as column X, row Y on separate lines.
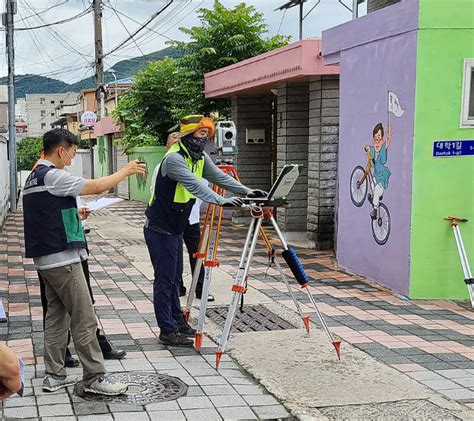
column 28, row 151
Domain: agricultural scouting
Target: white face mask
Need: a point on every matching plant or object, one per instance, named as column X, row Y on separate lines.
column 68, row 168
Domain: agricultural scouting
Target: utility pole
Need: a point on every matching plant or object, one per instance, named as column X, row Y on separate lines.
column 8, row 22
column 301, row 19
column 99, row 54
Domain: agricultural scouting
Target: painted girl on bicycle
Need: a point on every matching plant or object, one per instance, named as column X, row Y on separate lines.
column 378, row 153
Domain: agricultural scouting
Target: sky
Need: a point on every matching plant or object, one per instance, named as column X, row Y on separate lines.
column 66, row 51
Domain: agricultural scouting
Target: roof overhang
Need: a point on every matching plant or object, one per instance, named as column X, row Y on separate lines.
column 291, row 63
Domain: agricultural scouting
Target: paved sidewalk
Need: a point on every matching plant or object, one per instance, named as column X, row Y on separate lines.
column 123, row 304
column 431, row 342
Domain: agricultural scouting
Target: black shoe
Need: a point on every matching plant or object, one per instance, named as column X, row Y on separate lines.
column 182, row 291
column 175, row 339
column 185, row 329
column 373, row 214
column 210, row 297
column 114, row 354
column 70, row 362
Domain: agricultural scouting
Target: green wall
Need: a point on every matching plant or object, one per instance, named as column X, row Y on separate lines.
column 441, row 186
column 139, row 185
column 101, row 161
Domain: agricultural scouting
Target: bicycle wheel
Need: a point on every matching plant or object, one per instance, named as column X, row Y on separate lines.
column 381, row 225
column 358, row 190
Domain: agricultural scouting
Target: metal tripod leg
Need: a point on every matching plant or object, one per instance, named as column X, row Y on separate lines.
column 238, row 286
column 209, row 264
column 197, row 269
column 335, row 344
column 464, row 262
column 306, row 319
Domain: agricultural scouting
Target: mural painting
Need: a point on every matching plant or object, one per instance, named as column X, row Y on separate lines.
column 370, row 182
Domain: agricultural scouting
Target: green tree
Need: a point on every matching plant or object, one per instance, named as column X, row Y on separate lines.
column 28, row 152
column 168, row 89
column 225, row 36
column 161, row 93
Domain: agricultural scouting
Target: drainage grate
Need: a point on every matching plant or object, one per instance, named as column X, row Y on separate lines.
column 143, row 388
column 255, row 318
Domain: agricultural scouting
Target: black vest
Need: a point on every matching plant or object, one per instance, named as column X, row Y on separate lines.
column 51, row 223
column 163, row 212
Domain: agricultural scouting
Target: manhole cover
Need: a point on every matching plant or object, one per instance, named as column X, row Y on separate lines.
column 143, row 388
column 255, row 318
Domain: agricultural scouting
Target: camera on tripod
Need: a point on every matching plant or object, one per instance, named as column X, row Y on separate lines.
column 226, row 141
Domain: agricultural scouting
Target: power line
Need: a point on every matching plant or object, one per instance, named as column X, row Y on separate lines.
column 139, row 29
column 125, row 27
column 59, row 22
column 63, row 40
column 44, row 11
column 134, row 20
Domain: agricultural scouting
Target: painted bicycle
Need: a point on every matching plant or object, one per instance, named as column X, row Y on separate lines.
column 362, row 187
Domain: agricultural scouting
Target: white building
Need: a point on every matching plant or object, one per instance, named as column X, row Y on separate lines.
column 41, row 110
column 20, row 110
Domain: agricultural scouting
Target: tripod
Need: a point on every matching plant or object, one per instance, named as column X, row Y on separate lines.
column 239, row 287
column 207, row 256
column 468, row 280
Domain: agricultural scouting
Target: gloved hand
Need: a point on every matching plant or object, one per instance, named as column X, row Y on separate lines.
column 233, row 202
column 257, row 193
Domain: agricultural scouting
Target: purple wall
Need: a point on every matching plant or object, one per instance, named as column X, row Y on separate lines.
column 366, row 73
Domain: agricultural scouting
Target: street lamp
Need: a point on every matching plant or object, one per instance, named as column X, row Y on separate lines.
column 114, row 74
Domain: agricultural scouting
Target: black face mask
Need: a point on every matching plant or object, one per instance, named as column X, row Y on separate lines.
column 195, row 146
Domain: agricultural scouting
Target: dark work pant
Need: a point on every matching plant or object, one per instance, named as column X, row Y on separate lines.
column 191, row 238
column 103, row 342
column 166, row 254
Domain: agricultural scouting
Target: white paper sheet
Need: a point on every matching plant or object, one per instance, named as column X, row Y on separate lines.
column 101, row 203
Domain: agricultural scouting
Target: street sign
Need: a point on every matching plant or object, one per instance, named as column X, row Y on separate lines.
column 447, row 148
column 88, row 118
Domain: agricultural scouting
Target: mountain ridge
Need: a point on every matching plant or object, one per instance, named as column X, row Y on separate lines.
column 35, row 84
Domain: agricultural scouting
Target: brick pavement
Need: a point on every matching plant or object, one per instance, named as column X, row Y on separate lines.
column 125, row 311
column 430, row 341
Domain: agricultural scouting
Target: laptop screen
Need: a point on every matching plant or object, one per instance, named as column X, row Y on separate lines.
column 285, row 181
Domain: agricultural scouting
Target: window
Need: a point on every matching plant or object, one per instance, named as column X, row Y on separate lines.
column 52, row 114
column 42, row 101
column 467, row 106
column 43, row 125
column 43, row 113
column 52, row 101
column 61, row 102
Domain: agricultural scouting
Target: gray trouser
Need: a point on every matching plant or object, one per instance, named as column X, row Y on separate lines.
column 70, row 304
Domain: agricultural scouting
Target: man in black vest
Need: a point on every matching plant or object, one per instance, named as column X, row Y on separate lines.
column 55, row 239
column 178, row 184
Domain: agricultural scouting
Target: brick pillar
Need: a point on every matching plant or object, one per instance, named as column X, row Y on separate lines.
column 254, row 161
column 322, row 169
column 292, row 148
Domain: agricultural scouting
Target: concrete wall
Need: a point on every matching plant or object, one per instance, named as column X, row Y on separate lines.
column 441, row 186
column 373, row 5
column 254, row 161
column 82, row 164
column 322, row 160
column 367, row 72
column 292, row 148
column 40, row 110
column 139, row 186
column 4, row 179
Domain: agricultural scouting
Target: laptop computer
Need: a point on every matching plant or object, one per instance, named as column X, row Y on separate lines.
column 281, row 187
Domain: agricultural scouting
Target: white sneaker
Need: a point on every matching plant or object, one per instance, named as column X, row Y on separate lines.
column 50, row 384
column 104, row 386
